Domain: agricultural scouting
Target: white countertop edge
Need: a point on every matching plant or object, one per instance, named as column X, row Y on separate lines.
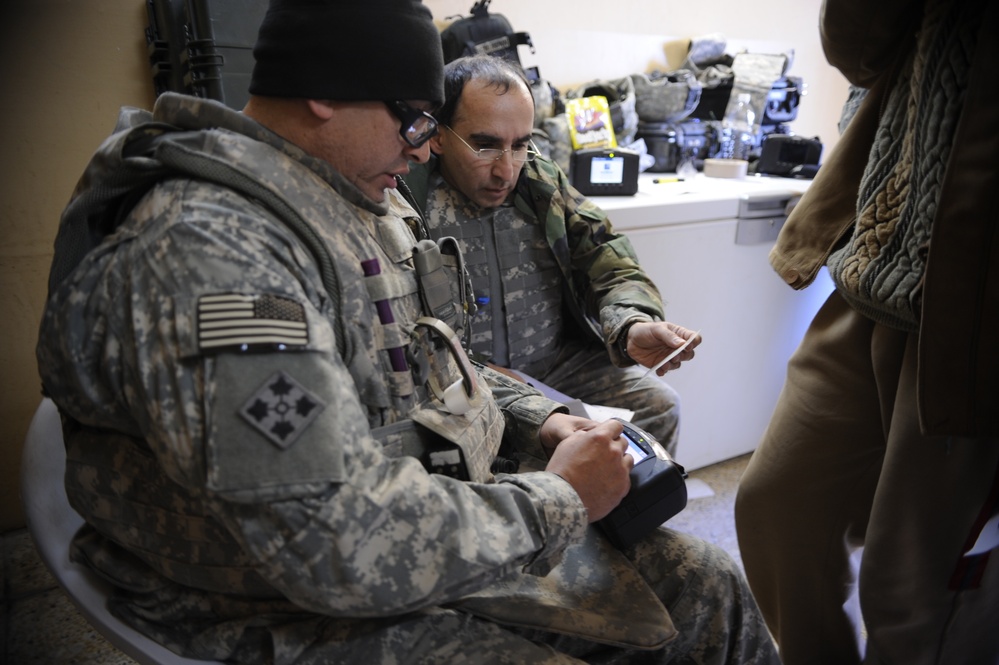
column 695, row 199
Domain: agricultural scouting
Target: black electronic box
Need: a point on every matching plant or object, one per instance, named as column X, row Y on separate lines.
column 604, row 171
column 658, row 490
column 781, row 154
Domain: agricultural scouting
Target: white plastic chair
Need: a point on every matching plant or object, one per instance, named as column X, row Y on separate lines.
column 52, row 523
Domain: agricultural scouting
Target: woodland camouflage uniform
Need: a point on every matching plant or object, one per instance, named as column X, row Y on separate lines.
column 569, row 287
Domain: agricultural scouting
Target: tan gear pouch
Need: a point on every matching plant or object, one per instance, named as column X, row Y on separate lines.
column 477, row 433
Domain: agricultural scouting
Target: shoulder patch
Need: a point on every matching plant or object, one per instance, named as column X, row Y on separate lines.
column 281, row 409
column 249, row 322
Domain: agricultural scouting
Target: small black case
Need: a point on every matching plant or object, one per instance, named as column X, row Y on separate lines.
column 658, row 492
column 604, row 172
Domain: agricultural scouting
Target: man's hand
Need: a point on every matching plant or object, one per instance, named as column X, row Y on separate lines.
column 593, row 460
column 560, row 426
column 651, row 341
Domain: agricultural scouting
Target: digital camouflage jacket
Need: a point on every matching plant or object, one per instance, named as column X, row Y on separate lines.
column 229, row 411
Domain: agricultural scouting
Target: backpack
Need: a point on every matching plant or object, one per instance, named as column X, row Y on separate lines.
column 483, row 33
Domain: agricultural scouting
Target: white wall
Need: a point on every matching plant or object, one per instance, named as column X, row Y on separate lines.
column 568, row 52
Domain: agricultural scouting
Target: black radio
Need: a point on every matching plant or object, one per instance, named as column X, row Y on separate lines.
column 604, row 171
column 781, row 153
column 658, row 490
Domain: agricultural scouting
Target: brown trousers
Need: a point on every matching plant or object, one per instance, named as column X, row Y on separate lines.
column 843, row 465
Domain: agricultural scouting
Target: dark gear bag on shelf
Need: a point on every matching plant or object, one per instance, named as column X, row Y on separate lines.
column 483, row 33
column 204, row 47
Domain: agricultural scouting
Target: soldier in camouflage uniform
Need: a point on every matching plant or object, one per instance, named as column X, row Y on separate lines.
column 562, row 298
column 253, row 391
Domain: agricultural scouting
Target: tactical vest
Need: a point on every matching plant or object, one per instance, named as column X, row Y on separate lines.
column 517, row 282
column 431, row 407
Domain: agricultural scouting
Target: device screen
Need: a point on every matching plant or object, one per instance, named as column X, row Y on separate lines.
column 607, row 170
column 633, row 449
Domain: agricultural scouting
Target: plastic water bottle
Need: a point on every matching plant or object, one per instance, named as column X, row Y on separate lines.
column 737, row 135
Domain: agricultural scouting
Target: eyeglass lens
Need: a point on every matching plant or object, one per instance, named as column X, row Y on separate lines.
column 417, row 126
column 495, row 154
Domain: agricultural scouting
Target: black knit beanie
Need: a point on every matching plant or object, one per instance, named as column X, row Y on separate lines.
column 358, row 50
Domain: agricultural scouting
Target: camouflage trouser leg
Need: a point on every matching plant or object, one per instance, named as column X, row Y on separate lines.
column 709, row 602
column 586, row 373
column 715, row 615
column 433, row 637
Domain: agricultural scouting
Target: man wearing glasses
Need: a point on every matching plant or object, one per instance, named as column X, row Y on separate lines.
column 560, row 296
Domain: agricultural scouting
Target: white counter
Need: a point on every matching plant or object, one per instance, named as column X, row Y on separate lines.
column 692, row 200
column 685, row 235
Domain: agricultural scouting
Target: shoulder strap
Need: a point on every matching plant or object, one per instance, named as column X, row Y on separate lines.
column 147, row 157
column 198, row 165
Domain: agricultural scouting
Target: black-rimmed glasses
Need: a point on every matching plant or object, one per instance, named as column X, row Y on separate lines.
column 417, row 126
column 519, row 155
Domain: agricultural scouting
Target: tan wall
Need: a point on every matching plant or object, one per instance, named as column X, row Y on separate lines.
column 67, row 65
column 65, row 68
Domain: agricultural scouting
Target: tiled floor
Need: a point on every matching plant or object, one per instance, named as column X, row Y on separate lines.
column 40, row 626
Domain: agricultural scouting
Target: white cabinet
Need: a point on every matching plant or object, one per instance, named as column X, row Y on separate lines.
column 751, row 321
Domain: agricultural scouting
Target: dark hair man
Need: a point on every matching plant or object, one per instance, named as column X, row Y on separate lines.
column 562, row 297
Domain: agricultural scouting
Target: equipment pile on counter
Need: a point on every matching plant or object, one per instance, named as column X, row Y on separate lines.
column 673, row 119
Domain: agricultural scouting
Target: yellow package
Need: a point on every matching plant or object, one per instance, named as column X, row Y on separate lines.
column 590, row 124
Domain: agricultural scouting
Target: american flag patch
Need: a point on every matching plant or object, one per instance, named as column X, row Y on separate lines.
column 234, row 320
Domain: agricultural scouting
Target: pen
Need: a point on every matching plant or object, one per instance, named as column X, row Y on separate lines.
column 658, row 181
